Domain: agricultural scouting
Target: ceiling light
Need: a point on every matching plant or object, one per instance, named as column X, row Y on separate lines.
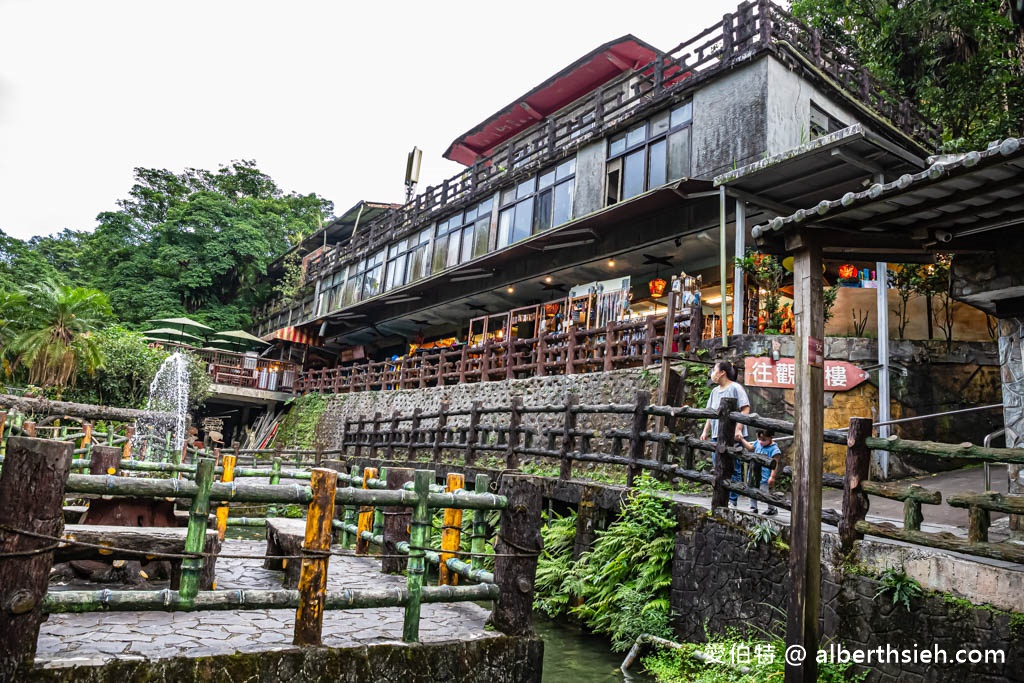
column 548, row 279
column 611, row 263
column 510, row 290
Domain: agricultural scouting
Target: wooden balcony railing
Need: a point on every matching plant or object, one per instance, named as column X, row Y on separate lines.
column 614, row 346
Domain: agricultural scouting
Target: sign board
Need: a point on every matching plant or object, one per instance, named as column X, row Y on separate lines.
column 762, row 371
column 815, row 352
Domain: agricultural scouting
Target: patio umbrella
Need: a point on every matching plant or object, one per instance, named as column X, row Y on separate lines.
column 184, row 325
column 236, row 339
column 166, row 334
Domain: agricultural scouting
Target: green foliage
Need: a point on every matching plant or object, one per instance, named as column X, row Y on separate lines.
column 959, row 62
column 767, row 273
column 293, row 512
column 763, row 654
column 555, row 564
column 903, row 588
column 829, row 295
column 764, row 532
column 53, row 328
column 623, row 581
column 298, row 428
column 697, row 389
column 290, row 286
column 129, row 366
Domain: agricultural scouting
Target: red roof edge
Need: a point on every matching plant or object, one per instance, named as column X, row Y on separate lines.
column 574, row 81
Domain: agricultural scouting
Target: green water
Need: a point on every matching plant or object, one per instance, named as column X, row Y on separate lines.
column 571, row 654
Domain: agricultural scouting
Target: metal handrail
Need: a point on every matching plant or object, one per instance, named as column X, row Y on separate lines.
column 988, row 473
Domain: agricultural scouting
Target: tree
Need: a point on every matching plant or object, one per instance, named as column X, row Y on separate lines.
column 57, row 332
column 959, row 62
column 904, row 279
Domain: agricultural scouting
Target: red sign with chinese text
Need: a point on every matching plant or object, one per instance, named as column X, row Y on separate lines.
column 762, row 371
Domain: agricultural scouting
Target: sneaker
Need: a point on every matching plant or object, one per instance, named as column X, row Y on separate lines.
column 732, row 503
column 771, row 511
column 753, row 509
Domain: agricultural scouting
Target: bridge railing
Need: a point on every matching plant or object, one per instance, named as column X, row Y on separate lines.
column 30, row 532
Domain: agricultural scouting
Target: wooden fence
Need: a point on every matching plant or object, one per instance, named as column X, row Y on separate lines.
column 637, row 343
column 30, row 533
column 634, row 446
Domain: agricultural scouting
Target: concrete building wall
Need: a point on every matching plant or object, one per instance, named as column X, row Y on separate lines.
column 788, row 100
column 1011, row 366
column 730, row 121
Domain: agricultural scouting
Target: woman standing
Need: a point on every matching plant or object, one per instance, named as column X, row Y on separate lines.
column 723, row 375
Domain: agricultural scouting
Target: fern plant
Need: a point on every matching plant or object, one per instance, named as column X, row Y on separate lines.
column 555, row 565
column 902, row 587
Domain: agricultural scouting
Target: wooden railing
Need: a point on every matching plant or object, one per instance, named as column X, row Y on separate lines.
column 31, row 531
column 616, row 345
column 507, row 438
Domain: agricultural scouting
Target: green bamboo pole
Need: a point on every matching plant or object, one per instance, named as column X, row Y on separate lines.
column 479, row 537
column 60, row 602
column 347, row 536
column 275, row 478
column 195, row 538
column 419, row 528
column 168, row 455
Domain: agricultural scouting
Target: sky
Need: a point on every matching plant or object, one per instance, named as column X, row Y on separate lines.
column 326, row 96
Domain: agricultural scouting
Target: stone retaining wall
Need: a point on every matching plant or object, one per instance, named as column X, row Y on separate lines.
column 499, row 659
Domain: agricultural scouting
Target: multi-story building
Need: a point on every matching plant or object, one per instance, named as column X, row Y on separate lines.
column 631, row 162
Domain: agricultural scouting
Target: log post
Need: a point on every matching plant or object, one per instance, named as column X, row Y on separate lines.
column 439, row 431
column 3, row 435
column 568, row 437
column 309, row 616
column 979, row 521
column 40, row 469
column 226, row 476
column 420, row 528
column 609, row 346
column 389, row 449
column 541, row 356
column 365, row 514
column 570, row 354
column 518, row 546
column 515, row 419
column 195, row 537
column 724, row 460
column 375, row 436
column 649, row 341
column 855, row 500
column 396, row 523
column 339, row 510
column 478, row 540
column 86, row 435
column 588, row 518
column 105, row 460
column 358, row 452
column 802, row 627
column 912, row 515
column 414, row 435
column 636, row 441
column 473, row 435
column 28, row 428
column 451, row 532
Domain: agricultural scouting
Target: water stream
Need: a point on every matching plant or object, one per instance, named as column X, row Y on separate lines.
column 168, row 393
column 572, row 654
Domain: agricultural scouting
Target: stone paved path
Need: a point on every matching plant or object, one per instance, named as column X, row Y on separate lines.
column 70, row 639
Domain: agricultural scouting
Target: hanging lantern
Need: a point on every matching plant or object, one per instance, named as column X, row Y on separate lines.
column 848, row 271
column 551, row 308
column 657, row 287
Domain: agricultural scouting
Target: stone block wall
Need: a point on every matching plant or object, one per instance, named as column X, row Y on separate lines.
column 721, row 581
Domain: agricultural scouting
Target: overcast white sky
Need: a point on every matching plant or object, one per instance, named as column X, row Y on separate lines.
column 326, row 96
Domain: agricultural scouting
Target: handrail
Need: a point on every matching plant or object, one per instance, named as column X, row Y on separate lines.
column 986, row 442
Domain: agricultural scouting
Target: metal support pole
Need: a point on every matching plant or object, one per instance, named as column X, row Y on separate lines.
column 881, row 458
column 723, row 266
column 738, row 290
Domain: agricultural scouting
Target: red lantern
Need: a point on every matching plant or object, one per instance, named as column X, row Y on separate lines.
column 657, row 286
column 847, row 271
column 551, row 308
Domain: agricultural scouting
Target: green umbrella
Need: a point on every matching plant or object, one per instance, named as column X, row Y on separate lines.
column 168, row 335
column 236, row 339
column 184, row 325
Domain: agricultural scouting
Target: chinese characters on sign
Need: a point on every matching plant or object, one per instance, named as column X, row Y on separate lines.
column 764, row 372
column 815, row 352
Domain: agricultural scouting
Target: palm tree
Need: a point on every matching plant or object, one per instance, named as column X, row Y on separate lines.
column 11, row 307
column 56, row 336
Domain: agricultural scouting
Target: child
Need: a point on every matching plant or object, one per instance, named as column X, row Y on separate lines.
column 765, row 446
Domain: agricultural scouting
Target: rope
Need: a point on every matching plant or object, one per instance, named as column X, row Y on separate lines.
column 527, row 552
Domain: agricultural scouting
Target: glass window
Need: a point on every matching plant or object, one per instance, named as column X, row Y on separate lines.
column 658, row 164
column 566, row 169
column 505, row 227
column 542, row 216
column 682, row 115
column 659, row 124
column 522, row 223
column 546, row 180
column 562, row 210
column 526, row 188
column 633, row 174
column 637, row 135
column 617, row 145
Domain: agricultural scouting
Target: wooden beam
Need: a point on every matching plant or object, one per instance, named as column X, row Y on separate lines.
column 808, row 427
